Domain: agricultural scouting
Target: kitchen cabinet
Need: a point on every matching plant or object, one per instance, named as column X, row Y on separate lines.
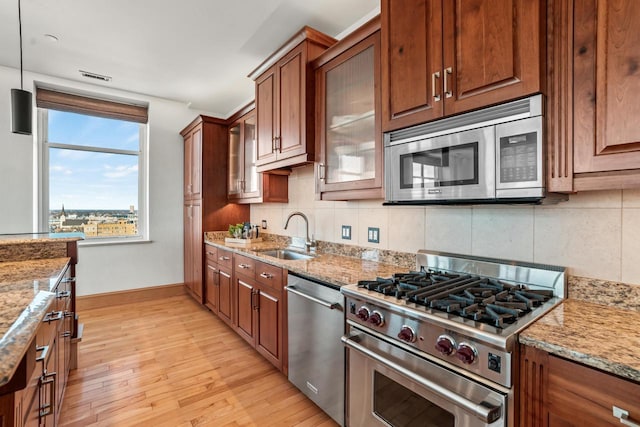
column 205, row 194
column 594, row 143
column 348, row 103
column 259, row 307
column 441, row 57
column 556, row 392
column 285, row 101
column 212, row 279
column 246, row 185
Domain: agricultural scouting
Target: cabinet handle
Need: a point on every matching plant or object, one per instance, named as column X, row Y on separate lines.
column 63, row 294
column 257, row 303
column 266, row 275
column 244, row 266
column 53, row 316
column 277, row 144
column 273, row 144
column 447, row 73
column 224, row 258
column 45, row 351
column 68, row 280
column 68, row 314
column 434, row 76
column 243, row 185
column 623, row 416
column 209, row 253
column 48, row 379
column 66, row 334
column 321, row 170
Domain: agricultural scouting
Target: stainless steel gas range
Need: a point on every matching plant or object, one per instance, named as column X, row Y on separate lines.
column 438, row 346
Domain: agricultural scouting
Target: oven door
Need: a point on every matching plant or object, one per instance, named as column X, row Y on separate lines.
column 458, row 166
column 388, row 386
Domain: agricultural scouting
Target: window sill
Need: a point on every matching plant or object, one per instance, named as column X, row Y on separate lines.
column 109, row 242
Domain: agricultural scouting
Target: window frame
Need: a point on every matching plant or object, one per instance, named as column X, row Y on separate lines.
column 43, row 180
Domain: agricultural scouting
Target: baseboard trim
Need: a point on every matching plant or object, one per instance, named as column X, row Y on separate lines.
column 109, row 299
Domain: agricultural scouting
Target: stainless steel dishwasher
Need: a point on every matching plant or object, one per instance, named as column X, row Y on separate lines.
column 316, row 322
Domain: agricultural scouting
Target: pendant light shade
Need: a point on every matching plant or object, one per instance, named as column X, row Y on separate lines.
column 20, row 98
column 21, row 111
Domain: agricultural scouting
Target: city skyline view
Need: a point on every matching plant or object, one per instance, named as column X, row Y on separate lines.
column 91, row 179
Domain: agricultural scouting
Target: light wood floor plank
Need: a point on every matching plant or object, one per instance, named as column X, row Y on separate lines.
column 172, row 363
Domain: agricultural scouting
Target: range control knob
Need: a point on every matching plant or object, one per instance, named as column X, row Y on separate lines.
column 407, row 334
column 363, row 313
column 376, row 319
column 445, row 345
column 466, row 353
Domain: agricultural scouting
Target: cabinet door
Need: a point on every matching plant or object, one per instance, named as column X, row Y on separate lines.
column 266, row 106
column 411, row 62
column 291, row 140
column 197, row 242
column 245, row 307
column 225, row 301
column 188, row 165
column 212, row 287
column 606, row 78
column 188, row 246
column 251, row 179
column 196, row 164
column 350, row 136
column 269, row 326
column 236, row 159
column 48, row 382
column 492, row 52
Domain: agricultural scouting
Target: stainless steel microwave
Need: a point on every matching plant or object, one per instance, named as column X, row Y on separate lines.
column 493, row 155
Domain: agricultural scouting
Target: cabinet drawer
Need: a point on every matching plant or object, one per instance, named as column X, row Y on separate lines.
column 225, row 258
column 244, row 265
column 211, row 252
column 587, row 396
column 269, row 275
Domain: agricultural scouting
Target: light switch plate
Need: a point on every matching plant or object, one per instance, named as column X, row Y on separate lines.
column 346, row 232
column 373, row 235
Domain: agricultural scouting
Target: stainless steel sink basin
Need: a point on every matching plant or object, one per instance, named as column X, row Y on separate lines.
column 287, row 254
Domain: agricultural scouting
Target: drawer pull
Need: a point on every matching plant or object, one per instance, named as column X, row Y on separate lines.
column 244, row 266
column 68, row 314
column 224, row 258
column 48, row 379
column 209, row 253
column 266, row 275
column 53, row 316
column 623, row 416
column 45, row 351
column 63, row 294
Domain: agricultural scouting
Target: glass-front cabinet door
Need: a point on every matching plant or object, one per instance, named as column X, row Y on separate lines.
column 252, row 180
column 350, row 139
column 235, row 161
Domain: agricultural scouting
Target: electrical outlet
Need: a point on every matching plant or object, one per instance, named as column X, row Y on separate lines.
column 373, row 235
column 346, row 232
column 264, row 224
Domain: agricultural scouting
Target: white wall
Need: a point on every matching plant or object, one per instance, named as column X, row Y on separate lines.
column 595, row 234
column 114, row 267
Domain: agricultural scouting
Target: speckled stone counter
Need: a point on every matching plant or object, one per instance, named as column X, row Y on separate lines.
column 336, row 269
column 24, row 247
column 601, row 336
column 25, row 295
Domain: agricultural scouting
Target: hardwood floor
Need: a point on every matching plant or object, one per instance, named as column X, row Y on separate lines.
column 172, row 363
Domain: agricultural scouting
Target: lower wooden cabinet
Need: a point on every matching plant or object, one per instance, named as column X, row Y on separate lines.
column 555, row 392
column 218, row 287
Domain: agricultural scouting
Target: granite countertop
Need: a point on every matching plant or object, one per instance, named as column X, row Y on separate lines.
column 601, row 336
column 25, row 296
column 337, row 270
column 19, row 239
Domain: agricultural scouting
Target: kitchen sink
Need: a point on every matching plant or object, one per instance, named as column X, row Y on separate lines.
column 287, row 254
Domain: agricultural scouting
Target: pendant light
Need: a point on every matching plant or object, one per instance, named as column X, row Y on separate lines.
column 20, row 98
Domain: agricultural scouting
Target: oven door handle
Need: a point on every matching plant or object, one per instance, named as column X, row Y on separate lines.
column 484, row 411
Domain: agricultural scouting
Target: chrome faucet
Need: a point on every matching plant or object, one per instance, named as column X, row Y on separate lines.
column 310, row 244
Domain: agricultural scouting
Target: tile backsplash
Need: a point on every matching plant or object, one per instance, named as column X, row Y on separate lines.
column 595, row 234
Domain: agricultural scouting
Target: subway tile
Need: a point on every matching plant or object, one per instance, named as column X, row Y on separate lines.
column 503, row 232
column 587, row 241
column 323, row 227
column 631, row 198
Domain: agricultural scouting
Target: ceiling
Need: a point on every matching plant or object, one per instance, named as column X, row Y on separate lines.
column 193, row 51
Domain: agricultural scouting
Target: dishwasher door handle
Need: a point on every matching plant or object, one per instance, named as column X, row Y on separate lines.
column 329, row 305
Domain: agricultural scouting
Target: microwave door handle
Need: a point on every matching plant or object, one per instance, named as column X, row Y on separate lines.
column 484, row 411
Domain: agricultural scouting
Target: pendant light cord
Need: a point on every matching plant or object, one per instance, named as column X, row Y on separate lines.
column 20, row 32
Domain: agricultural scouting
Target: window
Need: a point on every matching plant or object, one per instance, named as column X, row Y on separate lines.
column 93, row 161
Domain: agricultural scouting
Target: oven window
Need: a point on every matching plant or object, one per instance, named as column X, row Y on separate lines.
column 401, row 407
column 442, row 167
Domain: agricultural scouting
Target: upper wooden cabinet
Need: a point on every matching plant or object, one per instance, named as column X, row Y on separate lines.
column 193, row 164
column 442, row 57
column 246, row 184
column 349, row 136
column 285, row 102
column 593, row 105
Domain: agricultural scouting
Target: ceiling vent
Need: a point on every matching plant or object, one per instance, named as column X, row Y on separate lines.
column 91, row 75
